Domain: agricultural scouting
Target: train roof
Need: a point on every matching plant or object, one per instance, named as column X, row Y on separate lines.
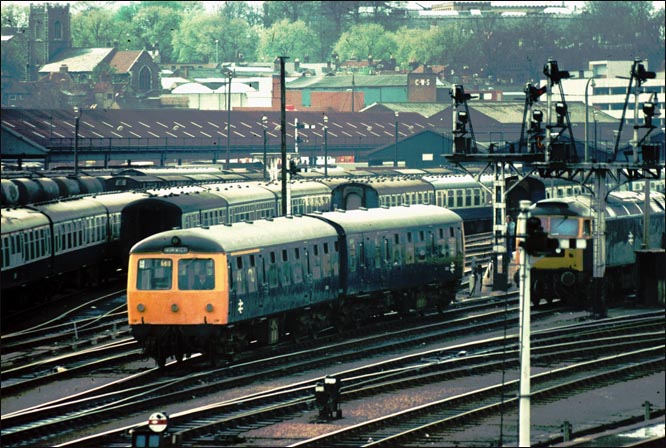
column 241, row 192
column 459, row 181
column 241, row 236
column 618, row 204
column 387, row 218
column 68, row 209
column 301, row 187
column 14, row 219
column 186, row 202
column 116, row 201
column 390, row 185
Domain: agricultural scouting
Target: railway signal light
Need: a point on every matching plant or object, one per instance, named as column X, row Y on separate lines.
column 533, row 93
column 537, row 241
column 458, row 94
column 553, row 72
column 461, row 122
column 561, row 111
column 649, row 111
column 638, row 71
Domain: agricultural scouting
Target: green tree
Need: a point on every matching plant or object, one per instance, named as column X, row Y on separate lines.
column 203, row 37
column 284, row 38
column 362, row 41
column 15, row 15
column 423, row 47
column 154, row 26
column 95, row 28
column 625, row 30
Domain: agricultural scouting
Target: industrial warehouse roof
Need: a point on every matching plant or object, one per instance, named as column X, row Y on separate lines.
column 342, row 81
column 176, row 127
column 505, row 112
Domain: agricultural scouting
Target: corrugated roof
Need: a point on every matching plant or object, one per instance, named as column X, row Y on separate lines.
column 341, row 81
column 77, row 60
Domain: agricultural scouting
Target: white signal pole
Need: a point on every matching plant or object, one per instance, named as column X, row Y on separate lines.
column 524, row 336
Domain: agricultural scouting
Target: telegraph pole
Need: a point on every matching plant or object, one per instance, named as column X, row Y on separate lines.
column 283, row 134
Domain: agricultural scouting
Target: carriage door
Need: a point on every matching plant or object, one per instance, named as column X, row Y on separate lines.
column 309, row 284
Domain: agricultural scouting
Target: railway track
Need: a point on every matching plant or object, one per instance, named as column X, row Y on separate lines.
column 228, row 421
column 153, row 389
column 286, row 367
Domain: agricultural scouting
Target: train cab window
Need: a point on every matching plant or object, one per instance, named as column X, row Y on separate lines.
column 154, row 274
column 396, row 238
column 587, row 227
column 196, row 274
column 409, row 237
column 421, row 235
column 562, row 226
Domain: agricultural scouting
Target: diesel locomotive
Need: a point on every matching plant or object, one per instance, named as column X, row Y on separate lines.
column 220, row 289
column 567, row 273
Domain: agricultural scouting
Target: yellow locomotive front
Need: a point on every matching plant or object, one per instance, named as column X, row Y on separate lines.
column 177, row 295
column 561, row 272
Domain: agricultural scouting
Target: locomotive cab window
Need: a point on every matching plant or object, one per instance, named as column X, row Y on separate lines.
column 196, row 274
column 562, row 226
column 154, row 273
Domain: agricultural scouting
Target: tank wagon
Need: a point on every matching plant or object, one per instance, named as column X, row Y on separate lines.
column 222, row 289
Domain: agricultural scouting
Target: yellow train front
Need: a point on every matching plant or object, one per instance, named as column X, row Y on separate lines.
column 224, row 289
column 567, row 273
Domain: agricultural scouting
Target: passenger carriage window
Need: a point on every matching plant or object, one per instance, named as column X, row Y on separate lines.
column 154, row 274
column 352, row 255
column 477, row 197
column 196, row 274
column 316, row 263
column 297, row 267
column 252, row 276
column 468, row 197
column 421, row 235
column 272, row 271
column 459, row 198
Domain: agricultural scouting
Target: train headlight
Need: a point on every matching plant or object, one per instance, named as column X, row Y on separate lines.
column 174, row 308
column 141, row 307
column 209, row 308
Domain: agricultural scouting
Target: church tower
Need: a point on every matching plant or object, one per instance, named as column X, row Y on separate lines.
column 49, row 32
